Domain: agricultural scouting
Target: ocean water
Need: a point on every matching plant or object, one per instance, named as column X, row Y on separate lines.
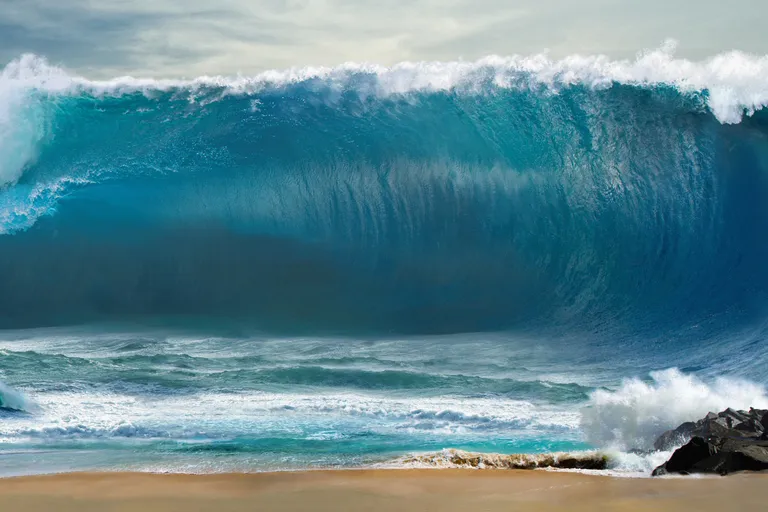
column 343, row 267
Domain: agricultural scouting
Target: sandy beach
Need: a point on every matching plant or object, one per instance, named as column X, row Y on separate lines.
column 379, row 490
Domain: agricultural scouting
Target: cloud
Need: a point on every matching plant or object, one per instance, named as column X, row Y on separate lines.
column 171, row 38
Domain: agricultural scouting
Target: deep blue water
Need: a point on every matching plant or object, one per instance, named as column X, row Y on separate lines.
column 317, row 273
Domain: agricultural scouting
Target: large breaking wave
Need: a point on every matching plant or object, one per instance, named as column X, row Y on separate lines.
column 581, row 194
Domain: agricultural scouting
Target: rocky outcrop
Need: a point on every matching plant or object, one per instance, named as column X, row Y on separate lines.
column 721, row 443
column 752, row 423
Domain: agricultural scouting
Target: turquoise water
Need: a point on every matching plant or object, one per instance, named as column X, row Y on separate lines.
column 169, row 401
column 105, row 398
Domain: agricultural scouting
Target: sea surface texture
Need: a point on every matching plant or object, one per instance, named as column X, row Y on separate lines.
column 343, row 267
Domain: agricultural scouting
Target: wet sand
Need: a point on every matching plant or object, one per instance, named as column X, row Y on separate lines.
column 379, row 490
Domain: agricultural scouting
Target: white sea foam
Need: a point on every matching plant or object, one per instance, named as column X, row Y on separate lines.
column 635, row 414
column 22, row 123
column 636, row 464
column 92, row 414
column 736, row 82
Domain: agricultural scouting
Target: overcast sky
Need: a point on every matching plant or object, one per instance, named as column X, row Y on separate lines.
column 186, row 38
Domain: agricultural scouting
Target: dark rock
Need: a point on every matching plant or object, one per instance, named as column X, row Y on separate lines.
column 750, row 428
column 685, row 457
column 755, row 456
column 719, row 427
column 676, row 437
column 724, row 443
column 745, row 458
column 733, row 445
column 727, row 424
column 733, row 417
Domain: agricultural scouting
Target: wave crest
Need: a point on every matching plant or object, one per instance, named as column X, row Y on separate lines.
column 735, row 83
column 13, row 400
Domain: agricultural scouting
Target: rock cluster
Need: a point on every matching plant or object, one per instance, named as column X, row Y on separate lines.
column 721, row 443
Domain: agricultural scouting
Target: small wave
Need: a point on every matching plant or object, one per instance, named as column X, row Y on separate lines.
column 395, row 379
column 182, row 372
column 603, row 462
column 461, row 459
column 86, row 432
column 13, row 400
column 632, row 416
column 440, row 413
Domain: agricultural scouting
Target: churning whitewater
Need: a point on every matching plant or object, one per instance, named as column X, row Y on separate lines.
column 333, row 267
